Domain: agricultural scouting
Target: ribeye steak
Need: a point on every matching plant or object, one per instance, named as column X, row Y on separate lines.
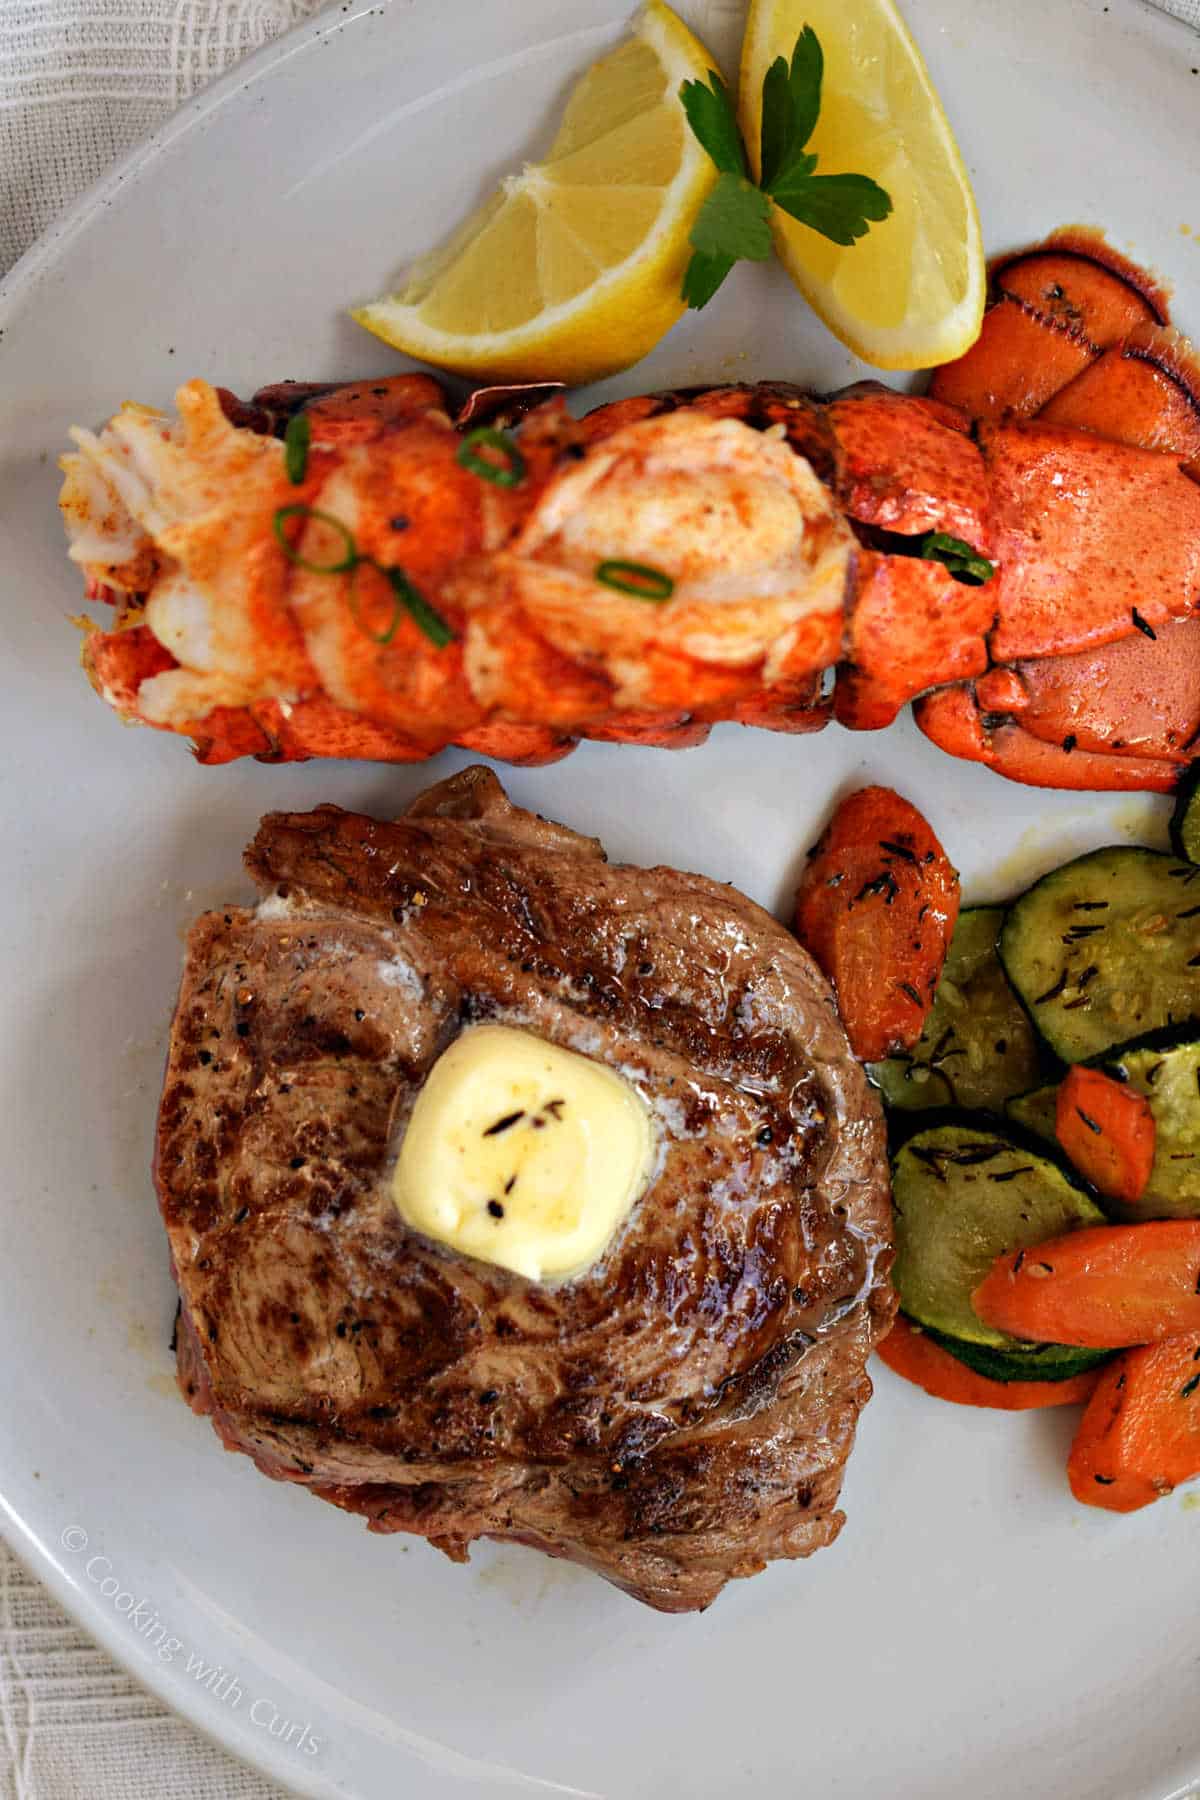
column 676, row 1415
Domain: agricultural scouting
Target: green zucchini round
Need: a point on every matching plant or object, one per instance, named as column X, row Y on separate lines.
column 1185, row 820
column 965, row 1193
column 1036, row 1112
column 1034, row 1362
column 978, row 1046
column 1106, row 948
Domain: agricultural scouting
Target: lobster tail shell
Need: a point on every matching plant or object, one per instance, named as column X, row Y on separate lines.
column 1088, row 405
column 1064, row 449
column 1053, row 311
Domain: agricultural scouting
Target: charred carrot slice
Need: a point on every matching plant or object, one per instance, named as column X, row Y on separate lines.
column 912, row 1353
column 876, row 908
column 1108, row 1132
column 1105, row 1288
column 1140, row 1435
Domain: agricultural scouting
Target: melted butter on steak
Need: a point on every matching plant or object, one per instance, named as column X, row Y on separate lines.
column 677, row 1414
column 523, row 1154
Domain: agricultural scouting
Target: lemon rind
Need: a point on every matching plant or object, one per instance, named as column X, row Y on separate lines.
column 901, row 347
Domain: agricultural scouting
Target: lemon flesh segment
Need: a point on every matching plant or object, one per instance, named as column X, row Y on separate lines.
column 573, row 268
column 910, row 293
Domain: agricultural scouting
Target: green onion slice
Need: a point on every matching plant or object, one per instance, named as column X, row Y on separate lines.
column 960, row 558
column 639, row 579
column 406, row 598
column 296, row 440
column 345, row 556
column 377, row 637
column 419, row 610
column 508, row 472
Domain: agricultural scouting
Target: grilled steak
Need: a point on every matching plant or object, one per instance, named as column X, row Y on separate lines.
column 676, row 1415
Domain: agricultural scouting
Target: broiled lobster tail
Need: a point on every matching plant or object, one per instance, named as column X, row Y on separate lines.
column 1019, row 552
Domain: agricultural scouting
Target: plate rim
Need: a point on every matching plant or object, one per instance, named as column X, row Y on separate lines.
column 33, row 262
column 36, row 1560
column 20, row 1535
column 35, row 1556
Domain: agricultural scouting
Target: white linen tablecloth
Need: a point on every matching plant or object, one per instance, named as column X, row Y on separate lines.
column 80, row 82
column 73, row 1726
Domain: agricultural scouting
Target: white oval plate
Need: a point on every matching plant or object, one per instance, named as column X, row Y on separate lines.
column 973, row 1631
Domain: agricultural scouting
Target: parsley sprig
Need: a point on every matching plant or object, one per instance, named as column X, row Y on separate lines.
column 735, row 220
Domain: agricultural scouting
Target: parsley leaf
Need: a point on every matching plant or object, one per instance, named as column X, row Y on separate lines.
column 776, row 139
column 791, row 105
column 961, row 559
column 712, row 118
column 734, row 221
column 804, row 85
column 840, row 207
column 703, row 276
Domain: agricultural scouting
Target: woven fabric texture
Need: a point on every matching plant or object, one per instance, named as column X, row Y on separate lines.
column 82, row 80
column 75, row 1727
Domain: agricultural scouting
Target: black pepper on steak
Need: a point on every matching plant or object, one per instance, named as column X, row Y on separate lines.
column 678, row 1414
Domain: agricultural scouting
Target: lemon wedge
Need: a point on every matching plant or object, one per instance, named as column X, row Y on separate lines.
column 910, row 294
column 573, row 268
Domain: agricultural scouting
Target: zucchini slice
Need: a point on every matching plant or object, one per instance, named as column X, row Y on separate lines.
column 1185, row 820
column 1033, row 1362
column 978, row 1046
column 964, row 1193
column 1106, row 948
column 1036, row 1112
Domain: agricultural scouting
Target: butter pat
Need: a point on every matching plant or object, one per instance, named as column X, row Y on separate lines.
column 523, row 1154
